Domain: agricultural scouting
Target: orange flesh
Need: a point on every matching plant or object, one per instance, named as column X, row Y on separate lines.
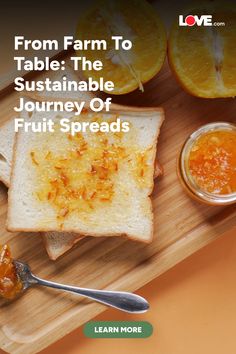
column 212, row 162
column 137, row 22
column 203, row 58
column 10, row 284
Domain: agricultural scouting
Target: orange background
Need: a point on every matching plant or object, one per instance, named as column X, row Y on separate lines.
column 193, row 306
column 193, row 310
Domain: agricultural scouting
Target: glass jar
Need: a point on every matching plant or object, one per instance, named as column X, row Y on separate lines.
column 186, row 178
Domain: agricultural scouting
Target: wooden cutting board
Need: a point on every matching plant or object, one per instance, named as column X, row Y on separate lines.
column 182, row 227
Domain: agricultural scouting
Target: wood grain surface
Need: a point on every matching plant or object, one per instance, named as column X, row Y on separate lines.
column 182, row 226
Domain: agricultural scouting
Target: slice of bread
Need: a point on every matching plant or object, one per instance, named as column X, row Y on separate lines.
column 60, row 196
column 56, row 243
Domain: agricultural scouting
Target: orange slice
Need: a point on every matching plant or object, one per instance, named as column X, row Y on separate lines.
column 203, row 57
column 135, row 20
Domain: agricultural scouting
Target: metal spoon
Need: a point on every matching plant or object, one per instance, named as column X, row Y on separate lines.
column 124, row 301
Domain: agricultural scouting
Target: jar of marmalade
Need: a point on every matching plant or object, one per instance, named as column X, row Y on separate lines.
column 207, row 164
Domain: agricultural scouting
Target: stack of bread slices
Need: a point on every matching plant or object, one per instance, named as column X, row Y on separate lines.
column 68, row 187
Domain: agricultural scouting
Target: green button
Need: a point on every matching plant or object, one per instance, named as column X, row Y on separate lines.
column 118, row 329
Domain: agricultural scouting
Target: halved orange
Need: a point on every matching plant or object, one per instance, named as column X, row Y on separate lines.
column 134, row 20
column 203, row 58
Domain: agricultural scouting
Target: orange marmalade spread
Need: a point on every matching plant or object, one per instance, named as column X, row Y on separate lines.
column 81, row 173
column 10, row 284
column 212, row 162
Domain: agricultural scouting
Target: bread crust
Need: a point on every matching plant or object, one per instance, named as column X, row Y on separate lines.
column 115, row 108
column 81, row 233
column 4, row 181
column 3, row 178
column 67, row 246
